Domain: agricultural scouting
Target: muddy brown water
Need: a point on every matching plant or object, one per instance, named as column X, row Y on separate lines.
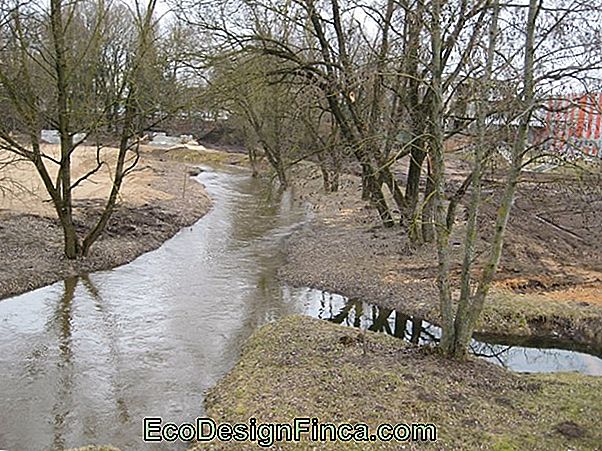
column 83, row 361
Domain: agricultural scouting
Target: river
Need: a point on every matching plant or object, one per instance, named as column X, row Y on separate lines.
column 84, row 360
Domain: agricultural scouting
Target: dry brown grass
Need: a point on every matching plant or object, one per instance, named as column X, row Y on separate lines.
column 302, row 367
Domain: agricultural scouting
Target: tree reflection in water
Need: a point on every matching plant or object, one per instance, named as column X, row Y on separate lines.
column 540, row 356
column 380, row 319
column 61, row 322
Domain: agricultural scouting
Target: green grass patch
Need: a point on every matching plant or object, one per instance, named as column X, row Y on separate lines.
column 535, row 315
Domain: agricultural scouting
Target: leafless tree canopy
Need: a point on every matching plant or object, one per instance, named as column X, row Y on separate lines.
column 367, row 84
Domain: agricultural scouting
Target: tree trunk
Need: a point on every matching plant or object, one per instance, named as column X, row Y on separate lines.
column 467, row 323
column 388, row 179
column 281, row 172
column 463, row 330
column 365, row 181
column 324, row 171
column 65, row 209
column 413, row 183
column 336, row 171
column 376, row 195
column 428, row 213
column 438, row 165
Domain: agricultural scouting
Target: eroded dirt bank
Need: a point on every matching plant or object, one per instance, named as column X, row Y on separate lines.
column 157, row 200
column 549, row 283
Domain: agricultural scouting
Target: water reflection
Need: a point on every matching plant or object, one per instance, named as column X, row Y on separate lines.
column 84, row 360
column 61, row 321
column 540, row 356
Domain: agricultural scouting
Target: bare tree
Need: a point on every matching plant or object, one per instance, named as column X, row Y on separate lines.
column 397, row 79
column 541, row 59
column 47, row 57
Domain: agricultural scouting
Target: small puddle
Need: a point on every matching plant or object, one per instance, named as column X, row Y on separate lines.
column 532, row 356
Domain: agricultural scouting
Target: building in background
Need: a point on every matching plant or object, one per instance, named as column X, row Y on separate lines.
column 574, row 125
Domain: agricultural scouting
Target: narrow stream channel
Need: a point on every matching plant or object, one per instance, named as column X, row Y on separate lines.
column 84, row 360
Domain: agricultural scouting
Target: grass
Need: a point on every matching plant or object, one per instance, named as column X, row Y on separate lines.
column 193, row 156
column 305, row 367
column 508, row 313
column 520, row 309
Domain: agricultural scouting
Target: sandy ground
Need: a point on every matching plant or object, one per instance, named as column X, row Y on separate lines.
column 157, row 199
column 550, row 278
column 32, row 197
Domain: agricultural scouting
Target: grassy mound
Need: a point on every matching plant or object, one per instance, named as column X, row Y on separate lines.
column 302, row 367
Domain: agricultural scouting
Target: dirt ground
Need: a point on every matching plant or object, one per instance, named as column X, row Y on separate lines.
column 157, row 199
column 33, row 199
column 550, row 277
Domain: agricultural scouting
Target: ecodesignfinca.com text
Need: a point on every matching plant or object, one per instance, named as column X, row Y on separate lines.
column 266, row 434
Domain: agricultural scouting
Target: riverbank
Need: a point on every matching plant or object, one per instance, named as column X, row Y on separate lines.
column 302, row 367
column 157, row 200
column 549, row 284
